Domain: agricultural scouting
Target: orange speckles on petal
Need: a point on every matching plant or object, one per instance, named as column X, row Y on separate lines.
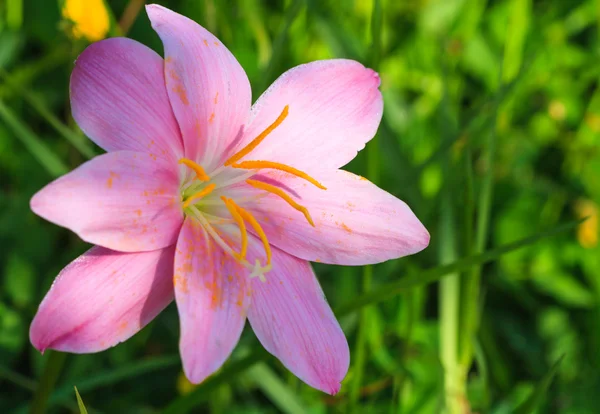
column 169, row 59
column 138, row 212
column 180, row 283
column 217, row 98
column 205, row 42
column 180, row 91
column 122, row 326
column 216, row 43
column 212, row 118
column 173, row 75
column 345, row 227
column 109, row 182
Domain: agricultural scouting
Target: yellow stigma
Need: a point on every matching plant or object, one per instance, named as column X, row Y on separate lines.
column 279, row 192
column 202, row 193
column 244, row 151
column 240, row 222
column 256, row 165
column 200, row 174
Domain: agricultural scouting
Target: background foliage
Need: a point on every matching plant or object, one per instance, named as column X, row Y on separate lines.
column 490, row 133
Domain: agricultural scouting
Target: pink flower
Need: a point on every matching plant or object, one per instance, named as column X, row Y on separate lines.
column 200, row 192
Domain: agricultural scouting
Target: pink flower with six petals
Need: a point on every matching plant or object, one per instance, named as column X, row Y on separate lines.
column 221, row 205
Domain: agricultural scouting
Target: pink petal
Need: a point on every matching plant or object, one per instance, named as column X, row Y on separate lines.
column 212, row 299
column 293, row 321
column 356, row 222
column 126, row 201
column 119, row 99
column 103, row 298
column 208, row 88
column 334, row 108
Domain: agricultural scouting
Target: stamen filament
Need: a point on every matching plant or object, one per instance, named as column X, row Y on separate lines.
column 250, row 219
column 202, row 193
column 240, row 222
column 200, row 174
column 256, row 165
column 254, row 143
column 279, row 192
column 216, row 236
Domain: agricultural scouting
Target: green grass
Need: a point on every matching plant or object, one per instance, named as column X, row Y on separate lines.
column 490, row 133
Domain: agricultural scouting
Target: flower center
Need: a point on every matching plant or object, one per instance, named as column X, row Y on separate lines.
column 205, row 199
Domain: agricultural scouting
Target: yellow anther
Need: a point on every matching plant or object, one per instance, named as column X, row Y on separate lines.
column 256, row 165
column 240, row 222
column 257, row 228
column 279, row 192
column 202, row 193
column 200, row 174
column 244, row 151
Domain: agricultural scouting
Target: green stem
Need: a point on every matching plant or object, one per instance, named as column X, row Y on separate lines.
column 449, row 302
column 46, row 384
column 471, row 286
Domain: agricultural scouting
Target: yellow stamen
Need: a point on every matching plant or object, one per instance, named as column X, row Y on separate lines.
column 250, row 219
column 200, row 174
column 202, row 193
column 259, row 138
column 240, row 222
column 255, row 165
column 278, row 191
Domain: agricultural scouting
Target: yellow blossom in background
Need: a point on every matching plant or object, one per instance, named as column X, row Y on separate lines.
column 89, row 17
column 587, row 232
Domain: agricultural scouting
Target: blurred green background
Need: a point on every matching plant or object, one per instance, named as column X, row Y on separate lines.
column 490, row 133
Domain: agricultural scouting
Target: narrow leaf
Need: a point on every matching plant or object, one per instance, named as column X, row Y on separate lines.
column 540, row 391
column 82, row 409
column 187, row 402
column 390, row 290
column 275, row 390
column 48, row 159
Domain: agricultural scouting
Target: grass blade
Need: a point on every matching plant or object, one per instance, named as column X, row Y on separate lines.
column 78, row 141
column 534, row 400
column 117, row 375
column 82, row 409
column 187, row 402
column 48, row 159
column 279, row 394
column 52, row 370
column 389, row 290
column 279, row 43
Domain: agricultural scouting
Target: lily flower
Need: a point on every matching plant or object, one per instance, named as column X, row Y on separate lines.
column 217, row 203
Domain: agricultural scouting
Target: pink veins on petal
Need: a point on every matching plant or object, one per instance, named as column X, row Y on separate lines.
column 225, row 201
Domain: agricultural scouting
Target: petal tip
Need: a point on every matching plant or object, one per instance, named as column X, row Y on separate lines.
column 332, row 388
column 157, row 13
column 37, row 339
column 375, row 76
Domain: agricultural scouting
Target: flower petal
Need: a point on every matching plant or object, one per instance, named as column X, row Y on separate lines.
column 126, row 201
column 209, row 91
column 103, row 298
column 119, row 99
column 356, row 223
column 212, row 299
column 334, row 108
column 293, row 321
